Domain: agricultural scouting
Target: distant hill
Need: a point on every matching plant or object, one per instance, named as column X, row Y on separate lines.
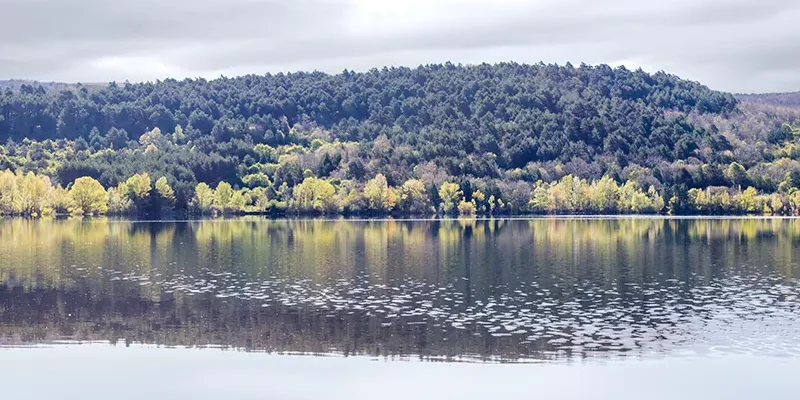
column 53, row 87
column 790, row 99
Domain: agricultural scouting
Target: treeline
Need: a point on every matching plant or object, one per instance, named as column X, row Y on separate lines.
column 34, row 195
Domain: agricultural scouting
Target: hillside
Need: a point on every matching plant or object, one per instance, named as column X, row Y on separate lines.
column 494, row 128
column 774, row 99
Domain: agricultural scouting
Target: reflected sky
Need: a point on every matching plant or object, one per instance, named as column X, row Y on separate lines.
column 136, row 372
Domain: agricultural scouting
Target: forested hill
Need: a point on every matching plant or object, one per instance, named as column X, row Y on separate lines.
column 487, row 126
column 514, row 113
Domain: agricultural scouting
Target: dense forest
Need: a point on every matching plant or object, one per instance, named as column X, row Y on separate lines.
column 484, row 139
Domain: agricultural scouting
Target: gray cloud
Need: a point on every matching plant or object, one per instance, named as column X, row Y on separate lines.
column 735, row 45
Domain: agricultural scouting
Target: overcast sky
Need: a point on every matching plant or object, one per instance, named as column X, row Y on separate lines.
column 733, row 45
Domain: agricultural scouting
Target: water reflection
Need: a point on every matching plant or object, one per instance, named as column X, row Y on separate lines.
column 496, row 289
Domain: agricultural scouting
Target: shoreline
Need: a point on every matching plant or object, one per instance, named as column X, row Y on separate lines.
column 565, row 217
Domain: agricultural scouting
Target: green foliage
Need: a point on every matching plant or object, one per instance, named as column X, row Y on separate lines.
column 466, row 208
column 203, row 200
column 749, row 201
column 414, row 198
column 506, row 138
column 236, row 203
column 257, row 180
column 222, row 197
column 61, row 201
column 379, row 196
column 25, row 194
column 138, row 187
column 34, row 194
column 165, row 194
column 9, row 201
column 316, row 144
column 541, row 200
column 164, row 190
column 88, row 197
column 265, row 153
column 119, row 202
column 451, row 194
column 736, row 174
column 574, row 195
column 315, row 195
column 466, row 121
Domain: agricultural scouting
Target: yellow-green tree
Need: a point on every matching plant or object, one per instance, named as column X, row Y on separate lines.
column 61, row 201
column 776, row 204
column 178, row 135
column 577, row 193
column 166, row 195
column 119, row 201
column 451, row 196
column 466, row 208
column 414, row 197
column 541, row 199
column 88, row 197
column 315, row 195
column 633, row 200
column 380, row 197
column 139, row 187
column 236, row 204
column 256, row 200
column 698, row 199
column 222, row 196
column 479, row 200
column 749, row 200
column 724, row 200
column 265, row 152
column 794, row 201
column 351, row 197
column 34, row 194
column 203, row 200
column 558, row 197
column 9, row 197
column 151, row 138
column 656, row 200
column 257, row 180
column 164, row 190
column 604, row 195
column 640, row 203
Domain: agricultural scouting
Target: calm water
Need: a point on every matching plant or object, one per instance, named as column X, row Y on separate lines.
column 557, row 298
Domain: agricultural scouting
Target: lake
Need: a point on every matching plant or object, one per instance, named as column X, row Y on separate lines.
column 521, row 308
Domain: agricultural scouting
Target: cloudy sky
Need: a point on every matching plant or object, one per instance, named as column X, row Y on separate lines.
column 734, row 45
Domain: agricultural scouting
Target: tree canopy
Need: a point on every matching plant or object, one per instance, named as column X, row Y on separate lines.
column 391, row 139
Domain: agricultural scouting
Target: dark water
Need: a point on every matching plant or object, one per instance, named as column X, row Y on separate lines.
column 552, row 291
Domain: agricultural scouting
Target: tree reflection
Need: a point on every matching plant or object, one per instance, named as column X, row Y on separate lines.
column 321, row 286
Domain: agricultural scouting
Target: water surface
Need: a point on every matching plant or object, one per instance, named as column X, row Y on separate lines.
column 551, row 292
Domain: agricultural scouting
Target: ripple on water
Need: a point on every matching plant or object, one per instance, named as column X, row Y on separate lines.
column 747, row 313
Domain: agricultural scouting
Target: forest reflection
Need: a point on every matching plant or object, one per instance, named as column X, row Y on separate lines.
column 504, row 289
